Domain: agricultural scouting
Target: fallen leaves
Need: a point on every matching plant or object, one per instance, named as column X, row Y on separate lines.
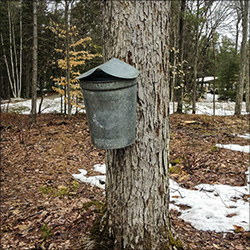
column 238, row 229
column 42, row 205
column 38, row 193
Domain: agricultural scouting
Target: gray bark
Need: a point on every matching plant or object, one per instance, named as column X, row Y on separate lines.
column 137, row 188
column 13, row 71
column 67, row 55
column 197, row 36
column 247, row 80
column 243, row 56
column 181, row 48
column 34, row 71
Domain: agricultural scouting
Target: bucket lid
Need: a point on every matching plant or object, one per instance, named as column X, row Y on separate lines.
column 114, row 68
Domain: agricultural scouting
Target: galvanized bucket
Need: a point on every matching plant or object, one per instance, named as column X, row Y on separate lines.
column 110, row 92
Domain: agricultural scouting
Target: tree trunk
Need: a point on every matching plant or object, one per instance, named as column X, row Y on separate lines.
column 243, row 61
column 181, row 48
column 67, row 56
column 247, row 81
column 21, row 51
column 34, row 71
column 214, row 69
column 196, row 45
column 137, row 188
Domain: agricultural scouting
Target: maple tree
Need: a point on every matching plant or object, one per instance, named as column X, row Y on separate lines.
column 80, row 53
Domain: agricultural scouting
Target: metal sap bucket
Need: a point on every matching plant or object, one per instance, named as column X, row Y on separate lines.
column 110, row 93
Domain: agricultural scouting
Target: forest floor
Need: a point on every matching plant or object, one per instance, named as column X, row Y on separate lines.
column 43, row 207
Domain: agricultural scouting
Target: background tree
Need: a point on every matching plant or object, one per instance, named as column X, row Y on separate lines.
column 243, row 57
column 248, row 80
column 137, row 188
column 34, row 68
column 12, row 53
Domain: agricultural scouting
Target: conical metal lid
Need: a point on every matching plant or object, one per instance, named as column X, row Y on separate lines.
column 115, row 68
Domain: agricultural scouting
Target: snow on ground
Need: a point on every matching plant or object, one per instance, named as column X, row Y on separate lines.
column 245, row 136
column 212, row 207
column 98, row 180
column 49, row 105
column 206, row 108
column 236, row 147
column 54, row 106
column 209, row 207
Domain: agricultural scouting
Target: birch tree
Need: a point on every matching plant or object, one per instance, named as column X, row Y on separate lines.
column 137, row 187
column 13, row 60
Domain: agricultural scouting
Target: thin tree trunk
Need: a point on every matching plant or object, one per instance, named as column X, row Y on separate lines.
column 34, row 71
column 247, row 81
column 15, row 60
column 237, row 30
column 137, row 188
column 67, row 56
column 243, row 56
column 7, row 68
column 214, row 82
column 194, row 94
column 27, row 80
column 21, row 51
column 11, row 52
column 181, row 48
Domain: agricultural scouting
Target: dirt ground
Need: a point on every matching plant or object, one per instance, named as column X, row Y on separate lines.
column 43, row 207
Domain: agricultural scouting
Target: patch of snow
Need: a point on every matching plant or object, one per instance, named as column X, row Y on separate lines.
column 98, row 180
column 48, row 106
column 54, row 106
column 235, row 147
column 101, row 168
column 245, row 136
column 206, row 108
column 212, row 207
column 209, row 97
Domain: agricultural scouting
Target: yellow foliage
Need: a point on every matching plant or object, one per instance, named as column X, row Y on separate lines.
column 77, row 58
column 58, row 90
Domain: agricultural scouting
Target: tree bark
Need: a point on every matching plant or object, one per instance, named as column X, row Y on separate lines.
column 248, row 80
column 34, row 71
column 21, row 51
column 243, row 61
column 137, row 188
column 67, row 56
column 181, row 48
column 196, row 45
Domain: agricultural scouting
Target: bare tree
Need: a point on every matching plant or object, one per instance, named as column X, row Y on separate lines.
column 247, row 80
column 34, row 70
column 181, row 53
column 67, row 3
column 14, row 70
column 243, row 56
